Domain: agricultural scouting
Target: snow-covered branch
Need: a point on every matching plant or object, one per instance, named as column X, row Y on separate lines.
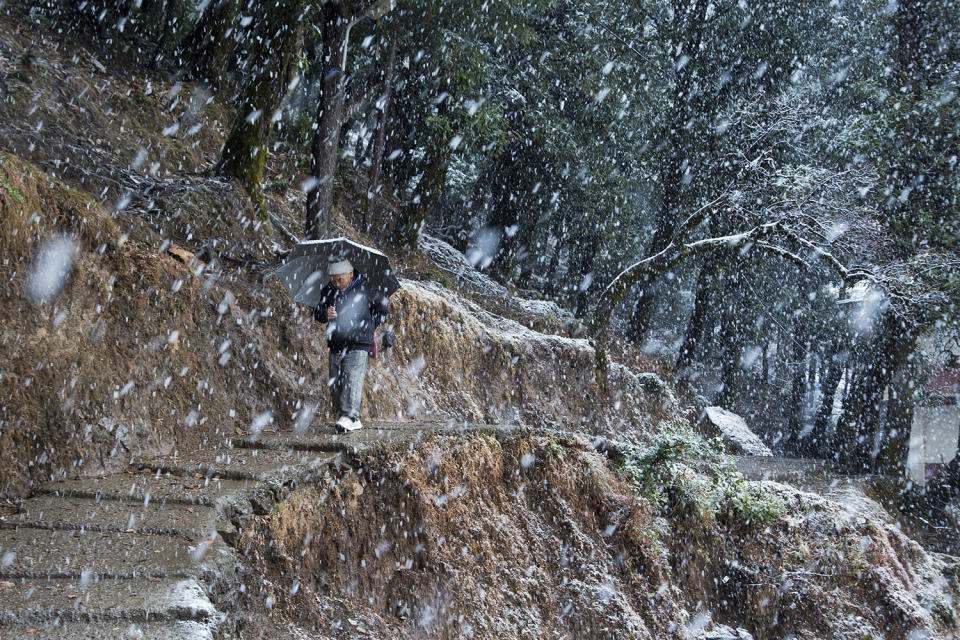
column 675, row 252
column 786, row 254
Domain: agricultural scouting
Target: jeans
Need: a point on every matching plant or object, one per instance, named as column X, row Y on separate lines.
column 347, row 370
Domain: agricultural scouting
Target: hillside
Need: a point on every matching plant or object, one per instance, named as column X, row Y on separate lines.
column 142, row 330
column 148, row 350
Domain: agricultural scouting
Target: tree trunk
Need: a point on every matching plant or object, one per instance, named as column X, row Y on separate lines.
column 765, row 371
column 821, row 424
column 428, row 191
column 908, row 137
column 666, row 223
column 696, row 332
column 380, row 140
column 895, row 441
column 585, row 260
column 731, row 373
column 847, row 447
column 863, row 407
column 477, row 207
column 165, row 20
column 326, row 141
column 553, row 266
column 152, row 11
column 798, row 354
column 522, row 262
column 210, row 44
column 688, row 32
column 245, row 151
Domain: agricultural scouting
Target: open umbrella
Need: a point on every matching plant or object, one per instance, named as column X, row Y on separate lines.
column 304, row 273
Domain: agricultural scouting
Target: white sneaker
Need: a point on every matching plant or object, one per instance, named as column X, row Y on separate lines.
column 345, row 424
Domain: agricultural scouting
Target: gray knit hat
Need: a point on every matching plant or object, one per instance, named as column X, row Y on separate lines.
column 337, row 267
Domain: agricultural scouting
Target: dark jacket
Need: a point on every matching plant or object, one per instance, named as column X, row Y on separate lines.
column 360, row 309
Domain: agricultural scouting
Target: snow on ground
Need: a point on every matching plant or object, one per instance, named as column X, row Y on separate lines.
column 473, row 281
column 900, row 569
column 548, row 374
column 501, row 328
column 456, row 264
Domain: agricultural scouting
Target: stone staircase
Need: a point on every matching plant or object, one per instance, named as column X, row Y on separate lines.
column 149, row 553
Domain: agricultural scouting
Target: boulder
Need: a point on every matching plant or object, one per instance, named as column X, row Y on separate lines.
column 734, row 431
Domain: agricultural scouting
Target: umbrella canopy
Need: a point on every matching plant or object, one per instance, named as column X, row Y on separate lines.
column 304, row 273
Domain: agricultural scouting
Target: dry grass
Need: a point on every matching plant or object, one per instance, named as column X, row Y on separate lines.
column 34, row 206
column 135, row 338
column 477, row 537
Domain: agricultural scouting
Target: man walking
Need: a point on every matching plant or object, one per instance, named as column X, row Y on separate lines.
column 352, row 310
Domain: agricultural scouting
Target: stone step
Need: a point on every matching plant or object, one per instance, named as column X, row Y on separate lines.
column 87, row 514
column 38, row 603
column 150, row 488
column 372, row 435
column 59, row 554
column 261, row 465
column 229, row 497
column 181, row 630
column 329, row 444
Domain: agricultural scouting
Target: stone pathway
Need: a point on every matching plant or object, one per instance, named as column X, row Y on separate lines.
column 148, row 553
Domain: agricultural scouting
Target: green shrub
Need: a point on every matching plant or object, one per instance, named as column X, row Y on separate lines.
column 681, row 472
column 439, row 276
column 13, row 191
